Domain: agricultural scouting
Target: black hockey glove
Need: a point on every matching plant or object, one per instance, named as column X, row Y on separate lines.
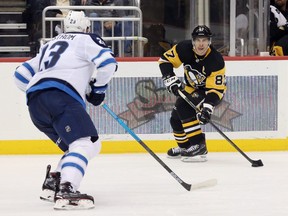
column 172, row 84
column 97, row 94
column 205, row 115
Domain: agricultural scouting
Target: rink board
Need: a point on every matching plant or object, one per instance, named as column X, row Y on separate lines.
column 253, row 113
column 132, row 146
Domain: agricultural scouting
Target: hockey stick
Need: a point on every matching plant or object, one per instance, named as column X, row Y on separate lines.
column 187, row 186
column 255, row 163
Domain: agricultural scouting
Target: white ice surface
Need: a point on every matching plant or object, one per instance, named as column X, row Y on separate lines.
column 137, row 185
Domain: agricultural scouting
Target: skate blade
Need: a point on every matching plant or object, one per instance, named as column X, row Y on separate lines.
column 47, row 195
column 64, row 204
column 174, row 157
column 195, row 159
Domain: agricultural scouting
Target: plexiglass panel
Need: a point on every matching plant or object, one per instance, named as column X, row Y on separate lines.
column 240, row 27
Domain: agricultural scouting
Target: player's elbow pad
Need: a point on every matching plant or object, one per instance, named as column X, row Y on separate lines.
column 105, row 74
column 20, row 81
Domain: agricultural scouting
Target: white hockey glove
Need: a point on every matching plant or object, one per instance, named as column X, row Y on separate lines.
column 205, row 115
column 173, row 84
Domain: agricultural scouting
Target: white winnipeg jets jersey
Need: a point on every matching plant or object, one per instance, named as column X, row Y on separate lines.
column 67, row 62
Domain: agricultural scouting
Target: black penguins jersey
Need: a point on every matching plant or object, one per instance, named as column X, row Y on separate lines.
column 205, row 73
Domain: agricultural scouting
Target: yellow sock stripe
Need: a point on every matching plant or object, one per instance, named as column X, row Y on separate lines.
column 182, row 141
column 191, row 123
column 189, row 135
column 179, row 134
column 180, row 138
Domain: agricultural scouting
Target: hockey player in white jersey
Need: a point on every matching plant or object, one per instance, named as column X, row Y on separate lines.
column 55, row 82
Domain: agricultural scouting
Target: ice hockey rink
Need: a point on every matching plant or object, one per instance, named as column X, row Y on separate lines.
column 137, row 185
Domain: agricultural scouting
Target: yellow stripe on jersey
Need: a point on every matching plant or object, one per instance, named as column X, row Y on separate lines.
column 220, row 95
column 172, row 56
column 189, row 89
column 216, row 80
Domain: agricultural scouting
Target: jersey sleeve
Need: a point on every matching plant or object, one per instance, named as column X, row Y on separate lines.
column 169, row 60
column 24, row 73
column 104, row 60
column 215, row 86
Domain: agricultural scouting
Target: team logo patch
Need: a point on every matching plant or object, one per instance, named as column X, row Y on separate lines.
column 195, row 78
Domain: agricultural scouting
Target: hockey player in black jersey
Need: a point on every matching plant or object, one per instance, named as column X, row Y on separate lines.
column 279, row 28
column 204, row 82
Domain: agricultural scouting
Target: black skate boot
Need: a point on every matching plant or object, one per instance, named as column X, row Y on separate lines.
column 195, row 153
column 50, row 185
column 174, row 152
column 69, row 199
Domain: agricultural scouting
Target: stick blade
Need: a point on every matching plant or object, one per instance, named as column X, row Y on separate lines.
column 257, row 163
column 204, row 184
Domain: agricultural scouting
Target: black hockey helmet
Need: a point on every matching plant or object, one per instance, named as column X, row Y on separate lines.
column 201, row 31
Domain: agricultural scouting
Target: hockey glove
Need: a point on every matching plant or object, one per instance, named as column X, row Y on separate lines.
column 173, row 84
column 284, row 28
column 97, row 94
column 205, row 115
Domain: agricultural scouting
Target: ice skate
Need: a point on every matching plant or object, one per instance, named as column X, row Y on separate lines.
column 50, row 185
column 69, row 199
column 195, row 153
column 174, row 152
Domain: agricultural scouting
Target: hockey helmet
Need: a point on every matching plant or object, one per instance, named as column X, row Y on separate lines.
column 76, row 21
column 201, row 31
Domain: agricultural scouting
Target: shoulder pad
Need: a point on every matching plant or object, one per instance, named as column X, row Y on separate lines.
column 98, row 40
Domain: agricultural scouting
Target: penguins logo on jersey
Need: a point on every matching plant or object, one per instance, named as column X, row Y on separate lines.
column 194, row 77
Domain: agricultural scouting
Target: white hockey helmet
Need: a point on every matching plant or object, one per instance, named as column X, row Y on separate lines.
column 76, row 21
